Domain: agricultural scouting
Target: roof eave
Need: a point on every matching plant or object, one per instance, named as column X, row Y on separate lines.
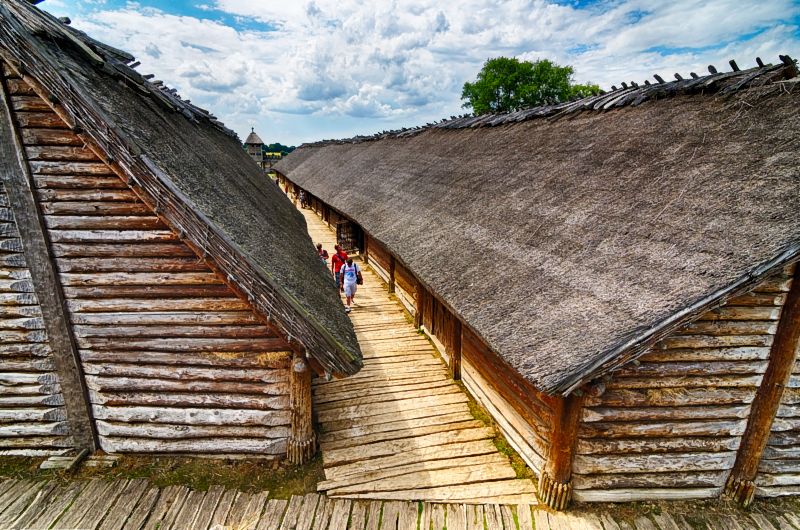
column 638, row 344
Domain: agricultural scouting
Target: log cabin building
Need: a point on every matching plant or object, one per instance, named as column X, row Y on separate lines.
column 613, row 279
column 157, row 294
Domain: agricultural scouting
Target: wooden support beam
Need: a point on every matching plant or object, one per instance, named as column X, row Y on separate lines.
column 455, row 353
column 419, row 301
column 392, row 265
column 303, row 440
column 366, row 249
column 555, row 482
column 16, row 176
column 783, row 355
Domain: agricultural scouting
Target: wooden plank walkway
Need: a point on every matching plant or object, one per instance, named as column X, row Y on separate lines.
column 135, row 505
column 401, row 429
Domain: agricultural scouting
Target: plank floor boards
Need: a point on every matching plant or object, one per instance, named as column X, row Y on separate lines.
column 401, row 429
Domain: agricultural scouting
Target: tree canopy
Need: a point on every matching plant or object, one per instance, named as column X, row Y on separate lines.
column 507, row 84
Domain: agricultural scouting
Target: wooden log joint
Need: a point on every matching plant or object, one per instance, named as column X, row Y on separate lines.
column 783, row 355
column 302, row 444
column 555, row 482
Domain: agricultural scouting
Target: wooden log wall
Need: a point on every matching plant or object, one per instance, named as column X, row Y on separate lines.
column 669, row 424
column 32, row 413
column 779, row 470
column 524, row 414
column 175, row 362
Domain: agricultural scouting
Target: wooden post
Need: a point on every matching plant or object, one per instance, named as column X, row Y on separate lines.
column 15, row 173
column 366, row 249
column 419, row 299
column 555, row 483
column 455, row 353
column 783, row 355
column 391, row 273
column 302, row 440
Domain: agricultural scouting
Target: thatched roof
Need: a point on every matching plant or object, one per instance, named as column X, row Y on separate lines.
column 147, row 129
column 253, row 138
column 570, row 237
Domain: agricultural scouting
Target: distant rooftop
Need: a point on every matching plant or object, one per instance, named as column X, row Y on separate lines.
column 253, row 138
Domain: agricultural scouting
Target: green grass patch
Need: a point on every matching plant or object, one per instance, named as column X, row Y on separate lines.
column 280, row 479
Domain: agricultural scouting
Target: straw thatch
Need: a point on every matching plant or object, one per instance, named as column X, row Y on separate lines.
column 569, row 242
column 253, row 139
column 190, row 152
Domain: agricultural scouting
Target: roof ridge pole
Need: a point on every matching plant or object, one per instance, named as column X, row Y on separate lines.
column 782, row 357
column 555, row 482
column 14, row 172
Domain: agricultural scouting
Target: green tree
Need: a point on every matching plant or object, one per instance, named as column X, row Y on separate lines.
column 505, row 85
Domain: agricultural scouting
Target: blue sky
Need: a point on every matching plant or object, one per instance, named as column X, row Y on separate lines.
column 304, row 70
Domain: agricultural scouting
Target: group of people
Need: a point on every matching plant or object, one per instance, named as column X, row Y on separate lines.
column 346, row 273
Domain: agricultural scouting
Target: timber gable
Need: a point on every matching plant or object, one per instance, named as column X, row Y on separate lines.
column 174, row 359
column 35, row 419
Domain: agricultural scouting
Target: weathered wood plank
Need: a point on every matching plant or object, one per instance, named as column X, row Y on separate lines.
column 59, row 153
column 83, row 503
column 140, row 250
column 15, row 507
column 124, row 384
column 586, row 464
column 292, row 513
column 273, row 514
column 54, row 507
column 131, row 497
column 350, row 436
column 444, row 477
column 205, row 511
column 358, row 517
column 378, row 475
column 307, row 511
column 336, row 457
column 398, row 434
column 223, row 508
column 100, row 506
column 397, row 408
column 341, row 514
column 188, row 373
column 480, row 447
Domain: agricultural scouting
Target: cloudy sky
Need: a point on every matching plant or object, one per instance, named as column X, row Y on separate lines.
column 304, row 70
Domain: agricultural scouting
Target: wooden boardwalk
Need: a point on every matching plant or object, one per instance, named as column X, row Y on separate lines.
column 401, row 429
column 135, row 505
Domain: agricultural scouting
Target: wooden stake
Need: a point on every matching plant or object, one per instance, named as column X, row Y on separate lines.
column 555, row 483
column 391, row 273
column 419, row 301
column 15, row 173
column 741, row 485
column 455, row 353
column 302, row 441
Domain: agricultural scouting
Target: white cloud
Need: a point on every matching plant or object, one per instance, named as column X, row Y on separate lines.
column 299, row 71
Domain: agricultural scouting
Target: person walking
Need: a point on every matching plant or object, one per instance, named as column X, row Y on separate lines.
column 351, row 277
column 323, row 254
column 337, row 262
